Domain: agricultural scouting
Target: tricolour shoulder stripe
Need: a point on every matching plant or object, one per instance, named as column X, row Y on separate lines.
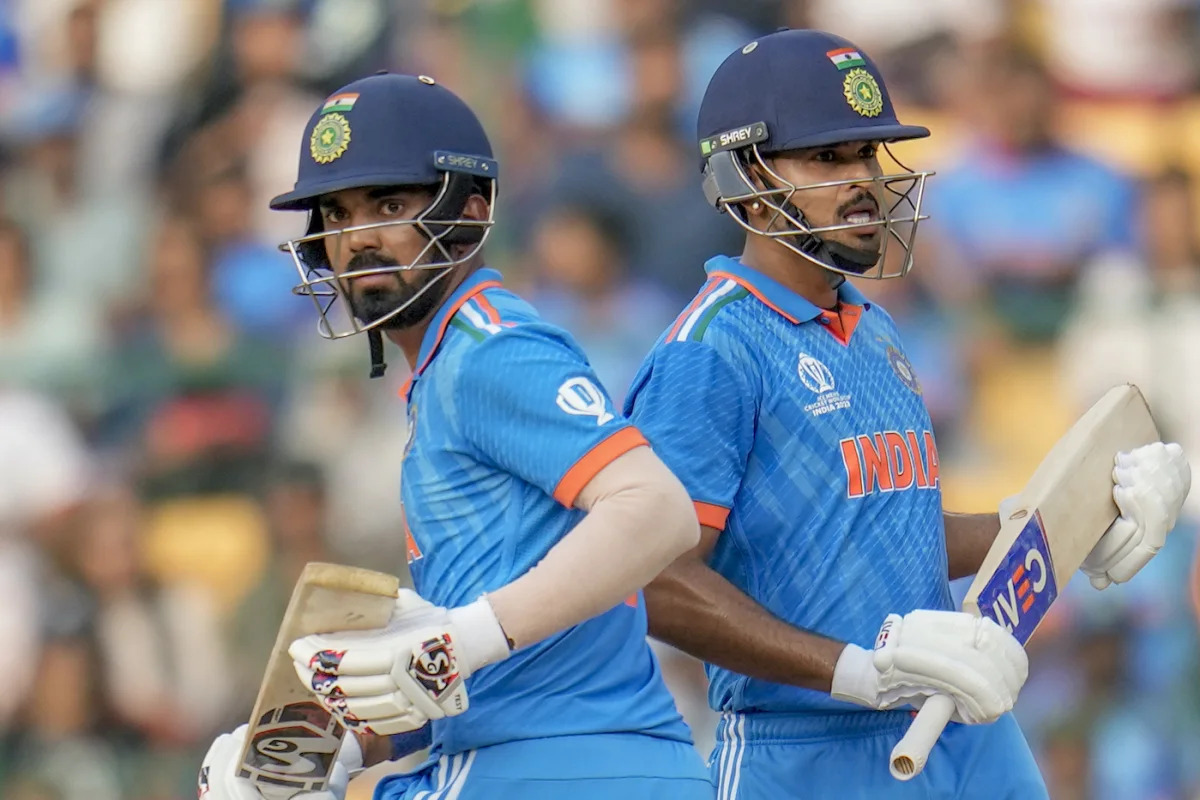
column 477, row 317
column 687, row 311
column 489, row 310
column 721, row 290
column 470, row 330
column 708, row 316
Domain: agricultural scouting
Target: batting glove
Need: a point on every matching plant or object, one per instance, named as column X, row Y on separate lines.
column 1150, row 484
column 970, row 659
column 218, row 772
column 400, row 677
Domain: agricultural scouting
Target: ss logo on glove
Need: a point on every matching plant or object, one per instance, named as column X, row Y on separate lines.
column 434, row 666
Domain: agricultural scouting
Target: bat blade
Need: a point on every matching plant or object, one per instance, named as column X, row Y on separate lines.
column 1061, row 513
column 1059, row 517
column 293, row 741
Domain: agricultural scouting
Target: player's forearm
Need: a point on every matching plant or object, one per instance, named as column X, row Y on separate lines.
column 968, row 537
column 696, row 610
column 639, row 520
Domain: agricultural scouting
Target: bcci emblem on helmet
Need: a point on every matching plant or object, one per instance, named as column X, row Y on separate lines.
column 330, row 138
column 862, row 92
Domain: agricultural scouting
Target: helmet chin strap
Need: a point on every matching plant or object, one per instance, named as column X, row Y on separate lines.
column 840, row 255
column 375, row 342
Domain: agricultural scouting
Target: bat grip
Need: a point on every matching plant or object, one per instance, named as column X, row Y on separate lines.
column 912, row 751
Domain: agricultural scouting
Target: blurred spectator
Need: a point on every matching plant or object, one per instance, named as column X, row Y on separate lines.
column 1022, row 215
column 1195, row 588
column 1138, row 320
column 354, row 431
column 582, row 253
column 1065, row 763
column 48, row 341
column 1139, row 50
column 252, row 280
column 66, row 215
column 195, row 395
column 135, row 673
column 46, row 473
column 160, row 662
column 912, row 50
column 601, row 62
column 650, row 175
column 251, row 109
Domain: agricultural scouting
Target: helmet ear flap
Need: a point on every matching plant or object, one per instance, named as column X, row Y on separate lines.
column 459, row 187
column 312, row 254
column 725, row 179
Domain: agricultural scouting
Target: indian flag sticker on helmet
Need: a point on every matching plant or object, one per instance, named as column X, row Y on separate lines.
column 846, row 57
column 330, row 138
column 340, row 102
column 862, row 92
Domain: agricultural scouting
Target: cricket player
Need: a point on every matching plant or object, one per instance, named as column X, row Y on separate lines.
column 534, row 511
column 819, row 596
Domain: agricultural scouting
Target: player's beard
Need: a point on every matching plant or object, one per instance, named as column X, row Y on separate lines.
column 372, row 303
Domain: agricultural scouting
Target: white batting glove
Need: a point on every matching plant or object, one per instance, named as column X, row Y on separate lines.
column 970, row 659
column 1150, row 484
column 218, row 772
column 397, row 678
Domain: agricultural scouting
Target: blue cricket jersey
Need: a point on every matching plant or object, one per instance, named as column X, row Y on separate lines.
column 507, row 423
column 802, row 436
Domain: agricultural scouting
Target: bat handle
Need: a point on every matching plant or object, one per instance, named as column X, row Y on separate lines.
column 912, row 751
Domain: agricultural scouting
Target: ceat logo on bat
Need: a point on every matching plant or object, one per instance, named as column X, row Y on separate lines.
column 1023, row 587
column 889, row 461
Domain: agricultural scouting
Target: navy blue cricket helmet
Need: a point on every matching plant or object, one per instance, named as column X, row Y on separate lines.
column 389, row 130
column 796, row 89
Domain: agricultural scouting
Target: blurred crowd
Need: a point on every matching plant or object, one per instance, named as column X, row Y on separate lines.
column 176, row 441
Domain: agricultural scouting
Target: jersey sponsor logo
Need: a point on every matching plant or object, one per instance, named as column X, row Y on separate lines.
column 889, row 461
column 818, row 379
column 581, row 397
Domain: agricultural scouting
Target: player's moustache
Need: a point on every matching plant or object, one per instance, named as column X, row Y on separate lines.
column 859, row 199
column 370, row 259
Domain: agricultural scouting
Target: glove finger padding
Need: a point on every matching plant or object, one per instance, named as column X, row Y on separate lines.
column 354, row 653
column 400, row 673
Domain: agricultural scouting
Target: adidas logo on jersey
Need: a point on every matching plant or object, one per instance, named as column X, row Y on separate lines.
column 889, row 461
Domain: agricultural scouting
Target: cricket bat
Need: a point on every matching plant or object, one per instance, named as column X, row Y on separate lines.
column 293, row 741
column 1062, row 512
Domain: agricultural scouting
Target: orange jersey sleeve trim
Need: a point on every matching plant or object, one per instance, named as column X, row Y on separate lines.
column 711, row 516
column 596, row 459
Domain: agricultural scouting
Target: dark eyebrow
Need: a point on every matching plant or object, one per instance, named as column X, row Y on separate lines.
column 385, row 191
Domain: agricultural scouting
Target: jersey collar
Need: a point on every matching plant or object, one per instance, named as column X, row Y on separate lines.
column 478, row 281
column 778, row 298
